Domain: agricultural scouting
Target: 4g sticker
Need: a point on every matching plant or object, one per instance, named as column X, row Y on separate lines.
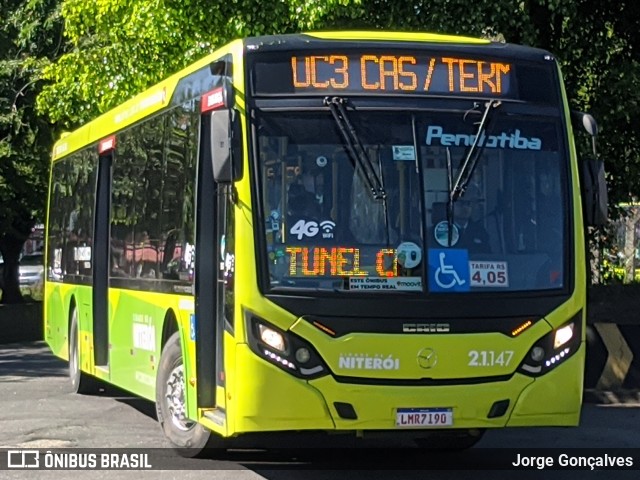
column 304, row 228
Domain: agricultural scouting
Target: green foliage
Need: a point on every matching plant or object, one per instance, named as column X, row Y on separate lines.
column 30, row 36
column 120, row 47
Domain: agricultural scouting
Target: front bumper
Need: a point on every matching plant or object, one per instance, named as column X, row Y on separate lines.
column 267, row 399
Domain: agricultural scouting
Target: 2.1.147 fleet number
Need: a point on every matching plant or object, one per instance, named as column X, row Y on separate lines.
column 490, row 358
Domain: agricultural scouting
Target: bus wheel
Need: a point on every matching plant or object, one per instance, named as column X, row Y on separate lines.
column 187, row 437
column 451, row 440
column 80, row 382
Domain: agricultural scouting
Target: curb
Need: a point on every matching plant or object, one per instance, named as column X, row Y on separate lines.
column 608, row 397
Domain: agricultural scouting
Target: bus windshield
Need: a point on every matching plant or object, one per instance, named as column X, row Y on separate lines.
column 328, row 229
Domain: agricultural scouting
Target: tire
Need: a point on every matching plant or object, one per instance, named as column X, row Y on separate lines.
column 188, row 438
column 454, row 440
column 81, row 382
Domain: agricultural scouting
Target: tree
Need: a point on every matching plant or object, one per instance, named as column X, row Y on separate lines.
column 31, row 35
column 120, row 47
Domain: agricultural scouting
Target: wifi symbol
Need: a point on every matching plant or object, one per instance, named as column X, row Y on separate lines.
column 327, row 227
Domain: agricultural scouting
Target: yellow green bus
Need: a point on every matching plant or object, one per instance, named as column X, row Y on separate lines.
column 359, row 233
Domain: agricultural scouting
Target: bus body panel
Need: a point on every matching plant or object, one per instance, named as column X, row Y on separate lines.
column 459, row 356
column 136, row 322
column 58, row 299
column 291, row 404
column 56, row 319
column 553, row 399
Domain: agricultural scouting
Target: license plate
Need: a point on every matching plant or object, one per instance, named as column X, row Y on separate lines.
column 424, row 417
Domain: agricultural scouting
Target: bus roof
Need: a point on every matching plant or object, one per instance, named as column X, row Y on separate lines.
column 397, row 37
column 136, row 108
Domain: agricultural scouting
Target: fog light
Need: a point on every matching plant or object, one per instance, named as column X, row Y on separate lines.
column 537, row 354
column 303, row 355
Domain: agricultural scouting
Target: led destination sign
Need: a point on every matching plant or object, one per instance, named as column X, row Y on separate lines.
column 372, row 270
column 338, row 261
column 399, row 73
column 371, row 72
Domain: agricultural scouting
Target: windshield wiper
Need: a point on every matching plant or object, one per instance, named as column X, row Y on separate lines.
column 361, row 160
column 473, row 155
column 450, row 219
column 456, row 189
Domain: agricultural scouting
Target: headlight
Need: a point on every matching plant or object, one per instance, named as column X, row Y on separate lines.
column 562, row 336
column 286, row 350
column 272, row 338
column 554, row 348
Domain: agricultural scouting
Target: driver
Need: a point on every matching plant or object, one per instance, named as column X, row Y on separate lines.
column 472, row 234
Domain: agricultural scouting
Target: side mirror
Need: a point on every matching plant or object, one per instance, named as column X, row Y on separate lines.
column 226, row 146
column 595, row 199
column 589, row 124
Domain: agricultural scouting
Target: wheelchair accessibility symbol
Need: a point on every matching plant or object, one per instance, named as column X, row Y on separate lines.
column 448, row 270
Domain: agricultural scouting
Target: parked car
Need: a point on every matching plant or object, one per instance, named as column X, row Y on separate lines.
column 31, row 268
column 31, row 274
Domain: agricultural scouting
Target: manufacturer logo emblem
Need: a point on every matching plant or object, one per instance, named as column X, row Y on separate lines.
column 426, row 328
column 427, row 358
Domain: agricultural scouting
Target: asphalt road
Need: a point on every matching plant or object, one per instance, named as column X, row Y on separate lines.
column 38, row 411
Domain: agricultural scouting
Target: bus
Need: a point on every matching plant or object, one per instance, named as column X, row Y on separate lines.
column 277, row 239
